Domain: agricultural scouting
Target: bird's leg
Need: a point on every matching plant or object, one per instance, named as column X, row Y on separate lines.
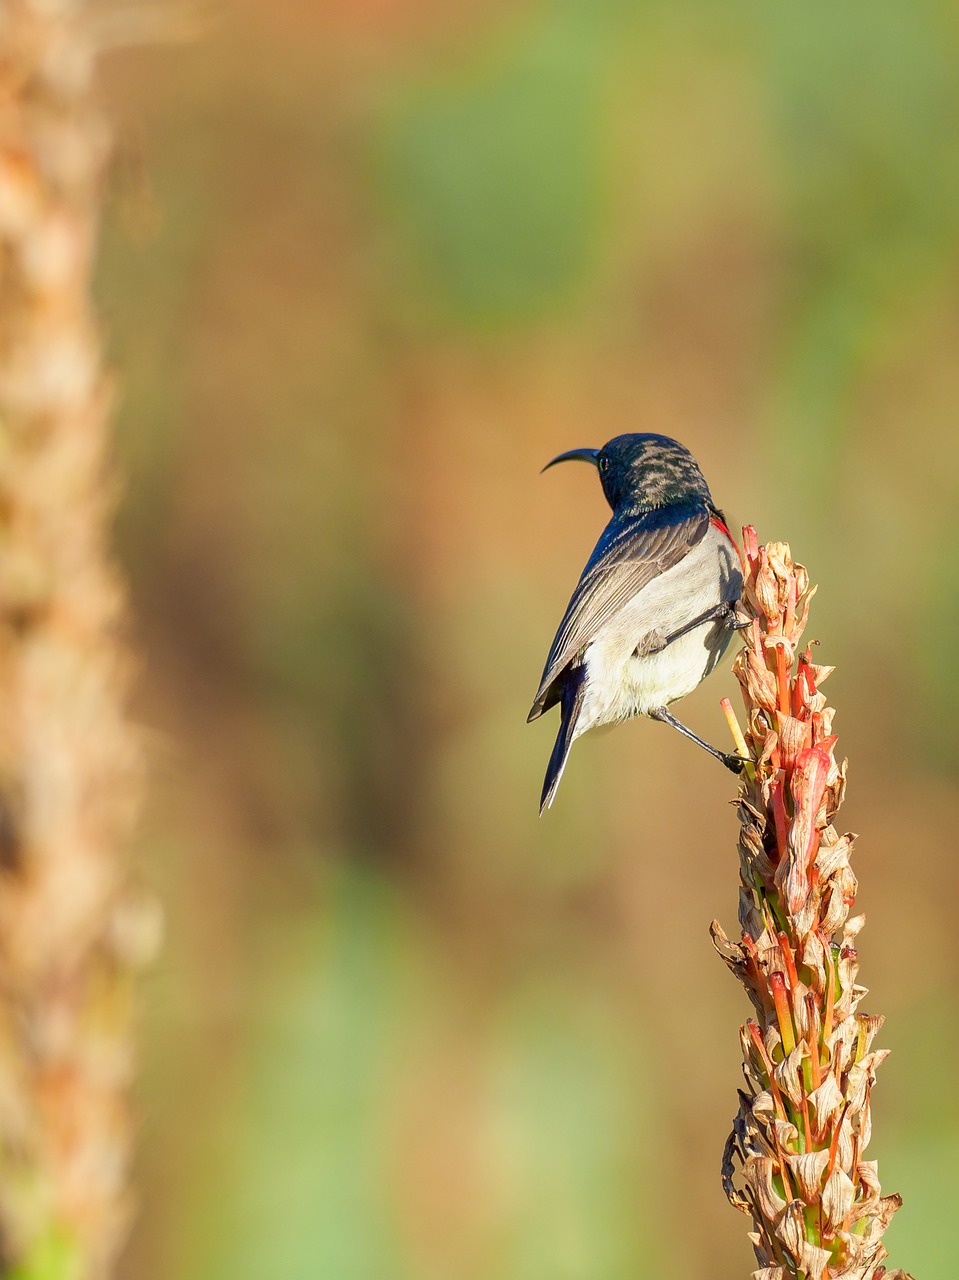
column 657, row 642
column 729, row 759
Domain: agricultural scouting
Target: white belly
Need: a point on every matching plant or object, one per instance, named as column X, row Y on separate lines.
column 619, row 684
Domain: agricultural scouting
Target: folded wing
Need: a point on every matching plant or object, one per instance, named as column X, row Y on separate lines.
column 633, row 550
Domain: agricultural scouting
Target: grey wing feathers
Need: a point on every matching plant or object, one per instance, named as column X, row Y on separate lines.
column 631, row 553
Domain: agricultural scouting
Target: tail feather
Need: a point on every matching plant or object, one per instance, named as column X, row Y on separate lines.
column 571, row 701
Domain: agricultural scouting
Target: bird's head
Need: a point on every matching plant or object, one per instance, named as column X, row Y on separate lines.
column 642, row 472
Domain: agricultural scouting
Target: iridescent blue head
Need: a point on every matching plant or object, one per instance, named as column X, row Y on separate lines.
column 643, row 472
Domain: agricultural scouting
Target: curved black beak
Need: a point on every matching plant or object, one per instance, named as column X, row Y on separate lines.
column 574, row 455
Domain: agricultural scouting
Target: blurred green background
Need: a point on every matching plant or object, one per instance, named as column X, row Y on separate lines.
column 368, row 265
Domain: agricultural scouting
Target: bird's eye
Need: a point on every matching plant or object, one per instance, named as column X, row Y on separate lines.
column 603, row 462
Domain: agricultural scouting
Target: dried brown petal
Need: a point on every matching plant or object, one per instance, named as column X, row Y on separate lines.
column 766, row 590
column 863, row 1126
column 738, row 1199
column 870, row 1191
column 814, row 958
column 826, row 1100
column 845, row 1148
column 888, row 1206
column 773, row 1041
column 813, row 1259
column 793, row 883
column 794, row 737
column 763, row 1107
column 759, row 684
column 763, row 1256
column 820, row 673
column 869, row 1025
column 837, row 1197
column 802, row 609
column 791, row 1229
column 835, row 911
column 806, row 918
column 783, row 642
column 731, row 952
column 851, row 928
column 840, row 1044
column 758, row 1175
column 788, row 1075
column 833, row 852
column 779, row 559
column 787, row 1135
column 807, row 1171
column 858, row 993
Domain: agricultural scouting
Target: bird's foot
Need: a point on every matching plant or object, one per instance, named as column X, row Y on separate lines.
column 733, row 616
column 739, row 619
column 654, row 641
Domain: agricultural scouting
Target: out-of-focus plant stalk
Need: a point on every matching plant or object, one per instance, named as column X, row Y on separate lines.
column 795, row 1160
column 70, row 928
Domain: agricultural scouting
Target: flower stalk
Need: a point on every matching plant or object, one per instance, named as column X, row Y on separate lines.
column 794, row 1162
column 72, row 927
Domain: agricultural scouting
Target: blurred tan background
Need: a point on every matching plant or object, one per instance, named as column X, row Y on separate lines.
column 369, row 264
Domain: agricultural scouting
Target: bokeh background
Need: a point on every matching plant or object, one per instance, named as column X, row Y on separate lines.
column 368, row 265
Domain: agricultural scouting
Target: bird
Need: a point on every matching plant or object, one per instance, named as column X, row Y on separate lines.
column 655, row 607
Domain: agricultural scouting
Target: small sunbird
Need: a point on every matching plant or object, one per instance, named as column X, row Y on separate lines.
column 655, row 607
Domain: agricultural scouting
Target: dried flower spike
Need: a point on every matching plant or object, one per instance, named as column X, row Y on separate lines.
column 794, row 1161
column 73, row 926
